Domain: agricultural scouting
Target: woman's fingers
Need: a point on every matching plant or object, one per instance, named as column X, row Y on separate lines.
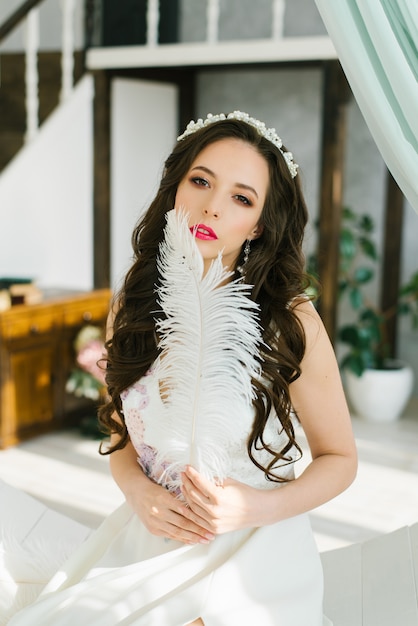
column 182, row 529
column 165, row 515
column 203, row 485
column 198, row 488
column 225, row 507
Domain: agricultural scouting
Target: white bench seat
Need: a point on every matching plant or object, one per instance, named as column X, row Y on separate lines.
column 24, row 517
column 374, row 583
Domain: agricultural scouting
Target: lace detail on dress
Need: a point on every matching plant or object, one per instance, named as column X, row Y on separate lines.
column 157, row 471
column 142, row 405
column 135, row 399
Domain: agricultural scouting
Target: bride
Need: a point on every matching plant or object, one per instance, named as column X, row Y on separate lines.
column 214, row 352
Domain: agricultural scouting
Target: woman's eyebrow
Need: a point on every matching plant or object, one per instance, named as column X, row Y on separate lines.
column 204, row 169
column 248, row 187
column 240, row 185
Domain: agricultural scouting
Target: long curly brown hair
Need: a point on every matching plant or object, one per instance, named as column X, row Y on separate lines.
column 275, row 268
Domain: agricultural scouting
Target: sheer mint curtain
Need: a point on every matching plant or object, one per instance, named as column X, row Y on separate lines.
column 377, row 44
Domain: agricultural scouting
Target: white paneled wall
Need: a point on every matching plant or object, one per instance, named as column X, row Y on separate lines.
column 46, row 195
column 143, row 132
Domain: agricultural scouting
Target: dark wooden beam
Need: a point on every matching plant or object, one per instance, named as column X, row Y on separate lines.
column 336, row 94
column 391, row 267
column 187, row 98
column 101, row 180
column 16, row 17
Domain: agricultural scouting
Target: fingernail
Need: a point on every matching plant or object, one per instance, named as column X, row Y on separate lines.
column 204, row 541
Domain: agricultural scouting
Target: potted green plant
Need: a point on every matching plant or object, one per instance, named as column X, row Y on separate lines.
column 378, row 385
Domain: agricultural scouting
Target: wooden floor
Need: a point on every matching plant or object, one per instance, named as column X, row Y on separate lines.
column 65, row 472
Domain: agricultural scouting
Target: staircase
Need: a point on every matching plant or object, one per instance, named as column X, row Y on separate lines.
column 12, row 96
column 32, row 82
column 46, row 136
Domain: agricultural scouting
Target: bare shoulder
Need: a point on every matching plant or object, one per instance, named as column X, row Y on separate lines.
column 317, row 395
column 309, row 318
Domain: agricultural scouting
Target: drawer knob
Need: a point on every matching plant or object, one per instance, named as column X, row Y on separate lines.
column 34, row 329
column 87, row 316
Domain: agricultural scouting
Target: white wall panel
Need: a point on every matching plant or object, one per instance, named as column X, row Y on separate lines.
column 143, row 132
column 46, row 229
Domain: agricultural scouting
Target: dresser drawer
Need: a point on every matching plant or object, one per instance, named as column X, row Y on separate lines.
column 86, row 310
column 27, row 323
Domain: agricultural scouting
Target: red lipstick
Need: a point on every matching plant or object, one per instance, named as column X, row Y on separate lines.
column 200, row 231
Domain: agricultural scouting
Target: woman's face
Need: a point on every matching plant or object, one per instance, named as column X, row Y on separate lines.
column 224, row 193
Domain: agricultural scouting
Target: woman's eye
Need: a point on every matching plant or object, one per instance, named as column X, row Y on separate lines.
column 243, row 199
column 201, row 182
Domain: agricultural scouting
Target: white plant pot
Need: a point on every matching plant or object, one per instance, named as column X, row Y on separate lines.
column 380, row 395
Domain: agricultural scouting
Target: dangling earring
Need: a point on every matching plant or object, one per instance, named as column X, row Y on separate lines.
column 247, row 250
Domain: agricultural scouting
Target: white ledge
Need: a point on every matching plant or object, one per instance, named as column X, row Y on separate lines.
column 221, row 53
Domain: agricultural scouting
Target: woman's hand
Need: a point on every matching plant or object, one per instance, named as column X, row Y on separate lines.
column 226, row 507
column 165, row 515
column 161, row 513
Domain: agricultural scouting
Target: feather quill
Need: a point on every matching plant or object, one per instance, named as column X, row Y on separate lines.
column 208, row 337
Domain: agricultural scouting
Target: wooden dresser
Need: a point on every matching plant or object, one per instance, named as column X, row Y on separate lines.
column 36, row 358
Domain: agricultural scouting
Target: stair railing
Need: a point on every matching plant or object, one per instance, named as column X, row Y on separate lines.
column 28, row 12
column 212, row 20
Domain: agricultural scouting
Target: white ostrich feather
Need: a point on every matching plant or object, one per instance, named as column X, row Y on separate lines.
column 208, row 336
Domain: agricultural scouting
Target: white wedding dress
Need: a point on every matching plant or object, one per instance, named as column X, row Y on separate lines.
column 122, row 574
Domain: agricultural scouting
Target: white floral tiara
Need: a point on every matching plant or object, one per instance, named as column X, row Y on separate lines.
column 268, row 133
